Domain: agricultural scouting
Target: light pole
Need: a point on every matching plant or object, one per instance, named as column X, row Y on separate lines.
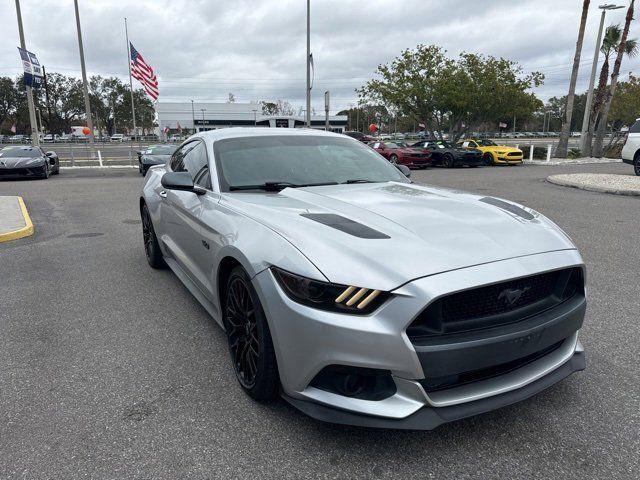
column 594, row 67
column 40, row 119
column 308, row 112
column 193, row 118
column 85, row 89
column 35, row 140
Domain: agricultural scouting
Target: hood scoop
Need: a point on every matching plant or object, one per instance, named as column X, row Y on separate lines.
column 345, row 225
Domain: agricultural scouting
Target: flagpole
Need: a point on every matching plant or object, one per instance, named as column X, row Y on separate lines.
column 133, row 108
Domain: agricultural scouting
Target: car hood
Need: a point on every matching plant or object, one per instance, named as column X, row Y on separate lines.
column 410, row 231
column 155, row 159
column 502, row 148
column 20, row 162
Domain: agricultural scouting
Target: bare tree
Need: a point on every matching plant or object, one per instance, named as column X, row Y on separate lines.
column 561, row 151
column 602, row 126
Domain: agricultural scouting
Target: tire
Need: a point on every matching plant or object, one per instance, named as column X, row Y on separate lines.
column 447, row 161
column 636, row 165
column 249, row 338
column 45, row 171
column 151, row 245
column 393, row 159
column 487, row 159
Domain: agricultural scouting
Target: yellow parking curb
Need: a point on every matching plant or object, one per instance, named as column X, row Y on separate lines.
column 25, row 231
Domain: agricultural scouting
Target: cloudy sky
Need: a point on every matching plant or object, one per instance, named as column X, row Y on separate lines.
column 204, row 49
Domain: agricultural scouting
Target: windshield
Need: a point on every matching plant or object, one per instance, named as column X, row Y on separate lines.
column 299, row 160
column 160, row 149
column 22, row 152
column 394, row 145
column 487, row 143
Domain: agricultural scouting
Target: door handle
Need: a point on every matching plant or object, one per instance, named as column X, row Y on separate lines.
column 163, row 193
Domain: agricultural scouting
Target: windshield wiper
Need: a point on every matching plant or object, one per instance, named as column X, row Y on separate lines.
column 359, row 180
column 277, row 186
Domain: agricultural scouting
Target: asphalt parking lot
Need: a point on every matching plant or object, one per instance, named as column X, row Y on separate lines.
column 109, row 369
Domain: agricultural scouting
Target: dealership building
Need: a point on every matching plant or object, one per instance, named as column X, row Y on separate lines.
column 209, row 116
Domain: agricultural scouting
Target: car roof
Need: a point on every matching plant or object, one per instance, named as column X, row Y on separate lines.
column 238, row 132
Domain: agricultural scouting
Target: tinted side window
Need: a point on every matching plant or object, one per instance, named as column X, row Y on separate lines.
column 195, row 162
column 177, row 160
column 635, row 128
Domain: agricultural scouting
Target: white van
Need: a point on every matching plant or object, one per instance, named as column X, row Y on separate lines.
column 631, row 149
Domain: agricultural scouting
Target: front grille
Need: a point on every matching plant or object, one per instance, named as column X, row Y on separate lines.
column 433, row 384
column 514, row 154
column 497, row 304
column 20, row 171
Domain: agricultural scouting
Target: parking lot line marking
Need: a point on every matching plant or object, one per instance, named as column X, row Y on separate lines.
column 25, row 231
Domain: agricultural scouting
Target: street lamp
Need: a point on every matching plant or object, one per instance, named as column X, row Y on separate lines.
column 203, row 110
column 193, row 118
column 594, row 67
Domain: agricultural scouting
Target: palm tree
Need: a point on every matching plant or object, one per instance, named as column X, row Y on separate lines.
column 561, row 151
column 610, row 44
column 609, row 92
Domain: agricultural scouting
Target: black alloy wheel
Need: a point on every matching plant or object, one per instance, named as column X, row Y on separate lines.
column 636, row 165
column 448, row 161
column 393, row 159
column 151, row 245
column 487, row 159
column 45, row 171
column 249, row 338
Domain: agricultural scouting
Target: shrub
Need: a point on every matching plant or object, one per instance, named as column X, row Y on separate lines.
column 574, row 153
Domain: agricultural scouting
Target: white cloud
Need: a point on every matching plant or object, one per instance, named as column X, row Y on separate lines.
column 256, row 49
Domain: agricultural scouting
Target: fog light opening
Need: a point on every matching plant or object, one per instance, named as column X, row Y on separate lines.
column 355, row 382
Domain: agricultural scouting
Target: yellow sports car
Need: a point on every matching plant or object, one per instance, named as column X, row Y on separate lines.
column 492, row 153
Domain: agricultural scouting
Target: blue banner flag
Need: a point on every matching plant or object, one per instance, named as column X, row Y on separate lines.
column 32, row 69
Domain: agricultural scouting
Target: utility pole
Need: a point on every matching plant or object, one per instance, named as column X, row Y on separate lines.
column 46, row 99
column 326, row 110
column 308, row 111
column 193, row 117
column 133, row 105
column 85, row 88
column 592, row 79
column 35, row 139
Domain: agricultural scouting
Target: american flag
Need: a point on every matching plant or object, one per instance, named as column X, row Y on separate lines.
column 143, row 73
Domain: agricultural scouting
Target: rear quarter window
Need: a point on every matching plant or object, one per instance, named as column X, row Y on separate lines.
column 635, row 128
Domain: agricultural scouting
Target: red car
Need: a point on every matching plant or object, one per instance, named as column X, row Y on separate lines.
column 401, row 154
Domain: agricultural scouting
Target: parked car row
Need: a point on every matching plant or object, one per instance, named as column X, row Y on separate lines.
column 425, row 153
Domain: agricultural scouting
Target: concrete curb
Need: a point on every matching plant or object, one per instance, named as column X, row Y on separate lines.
column 25, row 231
column 567, row 181
column 78, row 167
column 577, row 161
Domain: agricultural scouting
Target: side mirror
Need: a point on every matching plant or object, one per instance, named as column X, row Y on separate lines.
column 181, row 181
column 50, row 154
column 406, row 171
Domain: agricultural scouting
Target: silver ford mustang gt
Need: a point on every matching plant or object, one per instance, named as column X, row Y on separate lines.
column 358, row 296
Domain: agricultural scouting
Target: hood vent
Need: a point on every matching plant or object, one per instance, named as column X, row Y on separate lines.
column 508, row 207
column 345, row 225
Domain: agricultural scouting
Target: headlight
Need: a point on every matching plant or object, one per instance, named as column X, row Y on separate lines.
column 329, row 296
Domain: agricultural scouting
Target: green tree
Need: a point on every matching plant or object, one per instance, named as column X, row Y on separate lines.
column 610, row 44
column 8, row 100
column 626, row 104
column 453, row 95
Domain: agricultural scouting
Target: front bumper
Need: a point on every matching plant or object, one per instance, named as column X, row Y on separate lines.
column 30, row 171
column 506, row 159
column 307, row 340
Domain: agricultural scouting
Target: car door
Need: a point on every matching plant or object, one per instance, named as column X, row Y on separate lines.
column 180, row 211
